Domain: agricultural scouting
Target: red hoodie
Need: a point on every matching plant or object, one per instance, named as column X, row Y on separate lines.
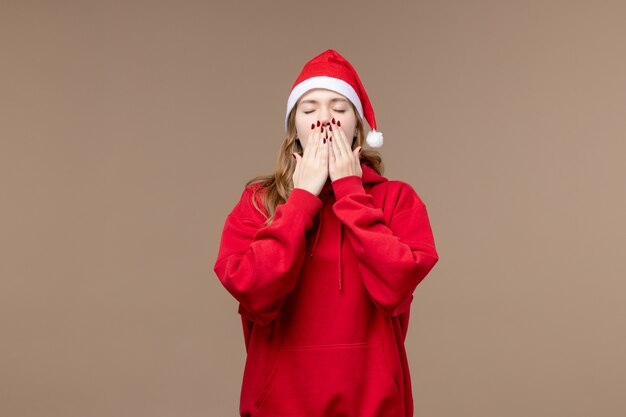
column 324, row 296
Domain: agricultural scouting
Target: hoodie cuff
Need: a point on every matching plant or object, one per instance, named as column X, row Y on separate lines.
column 306, row 201
column 352, row 184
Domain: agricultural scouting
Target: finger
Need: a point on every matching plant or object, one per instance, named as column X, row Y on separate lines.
column 320, row 146
column 312, row 144
column 331, row 138
column 357, row 159
column 339, row 139
column 307, row 150
column 320, row 141
column 296, row 171
column 324, row 154
column 298, row 161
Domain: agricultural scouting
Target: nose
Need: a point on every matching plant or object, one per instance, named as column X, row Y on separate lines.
column 325, row 116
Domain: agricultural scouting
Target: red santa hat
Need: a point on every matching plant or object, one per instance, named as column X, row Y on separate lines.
column 332, row 71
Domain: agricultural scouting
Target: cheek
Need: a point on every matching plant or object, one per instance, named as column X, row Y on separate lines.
column 350, row 131
column 303, row 126
column 349, row 126
column 303, row 143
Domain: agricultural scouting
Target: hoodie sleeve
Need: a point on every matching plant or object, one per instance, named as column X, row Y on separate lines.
column 259, row 264
column 393, row 258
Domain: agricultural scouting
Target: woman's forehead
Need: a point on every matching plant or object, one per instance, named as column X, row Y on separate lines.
column 321, row 94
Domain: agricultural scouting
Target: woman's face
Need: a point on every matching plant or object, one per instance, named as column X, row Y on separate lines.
column 324, row 105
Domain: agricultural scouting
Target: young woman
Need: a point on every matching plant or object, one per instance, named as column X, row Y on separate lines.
column 323, row 257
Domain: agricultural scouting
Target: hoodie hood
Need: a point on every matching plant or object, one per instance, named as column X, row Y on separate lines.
column 369, row 177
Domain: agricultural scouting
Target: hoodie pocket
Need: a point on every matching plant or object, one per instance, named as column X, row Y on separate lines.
column 345, row 379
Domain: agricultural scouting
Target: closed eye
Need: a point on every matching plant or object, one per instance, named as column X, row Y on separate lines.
column 311, row 111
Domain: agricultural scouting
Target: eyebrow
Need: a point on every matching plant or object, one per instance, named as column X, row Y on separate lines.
column 332, row 101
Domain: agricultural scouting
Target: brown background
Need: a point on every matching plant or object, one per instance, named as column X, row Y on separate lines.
column 129, row 128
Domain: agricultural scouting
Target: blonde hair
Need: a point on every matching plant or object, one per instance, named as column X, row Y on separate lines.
column 278, row 186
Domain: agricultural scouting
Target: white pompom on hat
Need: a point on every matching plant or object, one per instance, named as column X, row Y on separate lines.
column 331, row 71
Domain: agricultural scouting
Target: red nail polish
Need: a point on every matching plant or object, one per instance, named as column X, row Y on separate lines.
column 324, row 140
column 333, row 120
column 312, row 126
column 318, row 123
column 322, row 128
column 330, row 128
column 331, row 139
column 338, row 123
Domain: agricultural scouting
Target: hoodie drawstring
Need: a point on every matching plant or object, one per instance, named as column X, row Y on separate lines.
column 368, row 176
column 317, row 236
column 340, row 251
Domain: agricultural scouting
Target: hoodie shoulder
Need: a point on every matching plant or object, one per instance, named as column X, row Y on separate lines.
column 245, row 207
column 404, row 194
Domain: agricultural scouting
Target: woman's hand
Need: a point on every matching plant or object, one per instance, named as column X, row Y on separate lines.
column 343, row 161
column 312, row 167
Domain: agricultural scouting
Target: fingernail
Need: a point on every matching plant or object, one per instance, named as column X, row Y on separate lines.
column 312, row 126
column 338, row 123
column 322, row 128
column 318, row 123
column 330, row 127
column 324, row 140
column 331, row 139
